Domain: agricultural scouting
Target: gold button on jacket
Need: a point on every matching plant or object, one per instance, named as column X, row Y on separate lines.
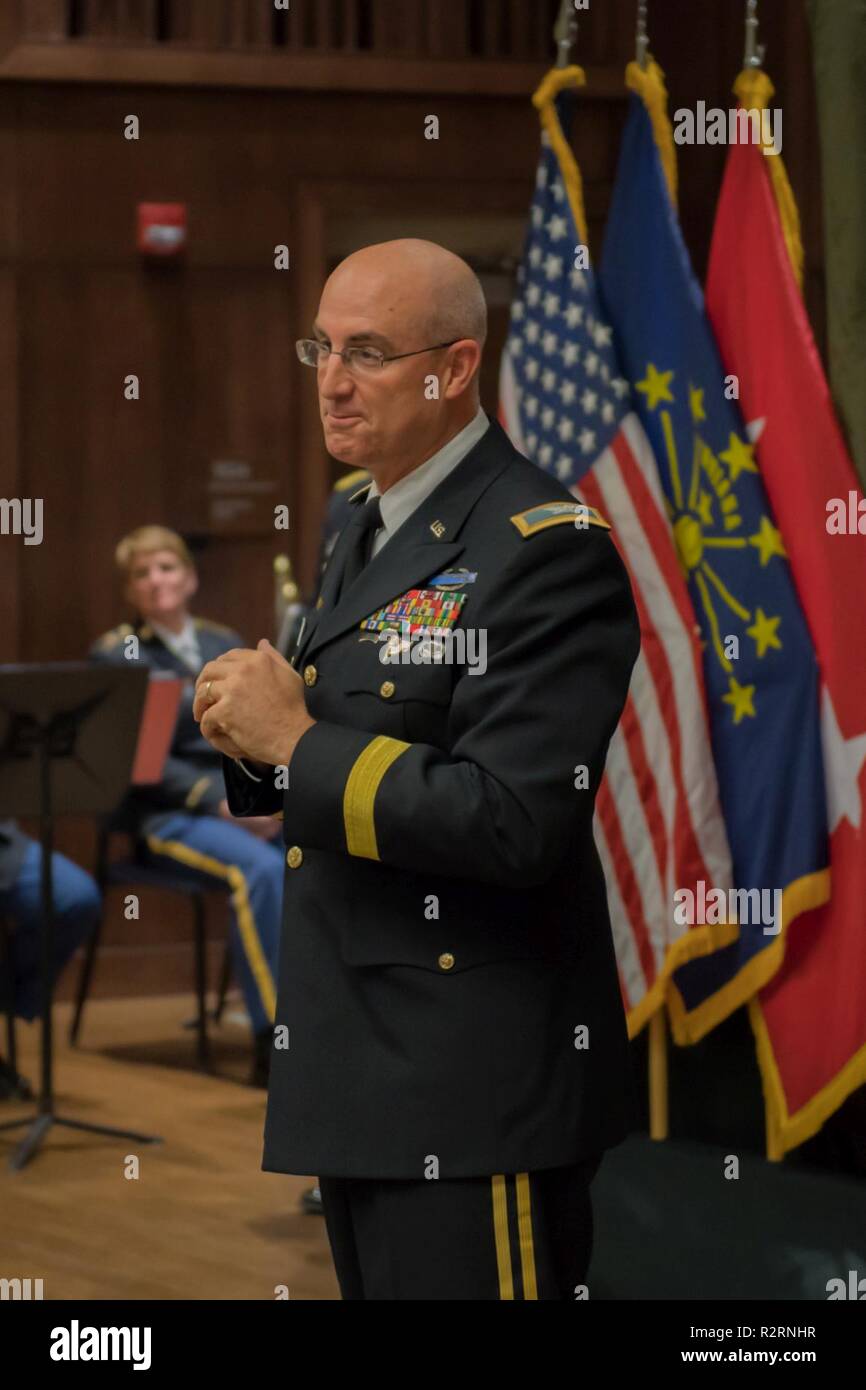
column 295, row 857
column 387, row 689
column 446, row 961
column 311, row 675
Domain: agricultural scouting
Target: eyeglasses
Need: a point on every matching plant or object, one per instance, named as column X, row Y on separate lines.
column 365, row 359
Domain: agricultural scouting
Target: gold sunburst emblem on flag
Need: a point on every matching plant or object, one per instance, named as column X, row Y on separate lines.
column 706, row 517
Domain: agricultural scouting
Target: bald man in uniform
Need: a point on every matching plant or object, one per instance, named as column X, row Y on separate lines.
column 450, row 1051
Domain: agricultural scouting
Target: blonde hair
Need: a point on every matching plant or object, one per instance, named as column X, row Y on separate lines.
column 147, row 539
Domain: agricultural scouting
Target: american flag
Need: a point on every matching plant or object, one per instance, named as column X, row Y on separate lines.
column 567, row 406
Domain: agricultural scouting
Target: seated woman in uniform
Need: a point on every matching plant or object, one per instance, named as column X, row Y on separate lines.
column 185, row 818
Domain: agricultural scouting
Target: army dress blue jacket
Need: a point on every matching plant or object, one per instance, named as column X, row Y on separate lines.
column 448, row 990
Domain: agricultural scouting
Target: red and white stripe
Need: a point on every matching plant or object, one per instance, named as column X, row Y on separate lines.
column 658, row 821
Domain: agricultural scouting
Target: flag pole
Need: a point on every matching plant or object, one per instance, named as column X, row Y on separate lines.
column 562, row 76
column 565, row 33
column 658, row 1076
column 754, row 54
column 642, row 36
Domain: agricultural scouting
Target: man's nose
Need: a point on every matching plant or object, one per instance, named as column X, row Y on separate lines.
column 334, row 377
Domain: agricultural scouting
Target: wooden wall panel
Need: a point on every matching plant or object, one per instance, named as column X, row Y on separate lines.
column 53, row 380
column 104, row 19
column 138, row 19
column 203, row 22
column 399, row 28
column 12, row 548
column 223, row 156
column 447, row 32
column 240, row 379
column 43, row 19
column 95, row 458
column 253, row 24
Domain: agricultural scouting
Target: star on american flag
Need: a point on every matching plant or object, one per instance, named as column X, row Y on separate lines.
column 569, row 390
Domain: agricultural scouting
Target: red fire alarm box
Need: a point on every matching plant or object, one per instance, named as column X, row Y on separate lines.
column 162, row 229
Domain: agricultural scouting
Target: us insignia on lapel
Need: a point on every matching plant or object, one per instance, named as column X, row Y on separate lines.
column 425, row 610
column 578, row 514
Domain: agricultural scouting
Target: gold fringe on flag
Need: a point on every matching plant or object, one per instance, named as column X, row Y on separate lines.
column 559, row 80
column 753, row 89
column 649, row 84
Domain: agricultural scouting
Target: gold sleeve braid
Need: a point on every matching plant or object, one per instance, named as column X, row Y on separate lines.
column 359, row 796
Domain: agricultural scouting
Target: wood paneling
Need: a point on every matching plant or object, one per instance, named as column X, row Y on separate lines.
column 137, row 20
column 192, row 66
column 203, row 22
column 43, row 19
column 104, row 19
column 12, row 548
column 414, row 28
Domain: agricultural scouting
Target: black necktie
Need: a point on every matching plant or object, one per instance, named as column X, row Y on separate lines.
column 364, row 527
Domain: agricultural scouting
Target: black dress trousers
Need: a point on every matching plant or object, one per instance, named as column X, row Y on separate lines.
column 509, row 1236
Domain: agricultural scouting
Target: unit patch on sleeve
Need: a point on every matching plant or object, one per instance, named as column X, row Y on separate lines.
column 577, row 514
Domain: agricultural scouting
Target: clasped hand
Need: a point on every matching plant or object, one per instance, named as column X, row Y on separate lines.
column 250, row 704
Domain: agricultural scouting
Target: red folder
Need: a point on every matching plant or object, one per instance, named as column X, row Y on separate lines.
column 158, row 722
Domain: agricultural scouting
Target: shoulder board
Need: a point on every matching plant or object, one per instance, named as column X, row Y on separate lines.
column 117, row 634
column 577, row 514
column 214, row 627
column 355, row 479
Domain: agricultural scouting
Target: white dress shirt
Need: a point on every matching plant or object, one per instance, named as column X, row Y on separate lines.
column 183, row 644
column 406, row 496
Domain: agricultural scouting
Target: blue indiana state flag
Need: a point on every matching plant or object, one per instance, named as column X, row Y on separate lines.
column 759, row 663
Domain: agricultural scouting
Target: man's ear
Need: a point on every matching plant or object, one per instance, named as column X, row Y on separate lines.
column 191, row 583
column 465, row 364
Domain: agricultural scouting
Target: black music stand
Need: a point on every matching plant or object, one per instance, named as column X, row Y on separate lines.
column 68, row 735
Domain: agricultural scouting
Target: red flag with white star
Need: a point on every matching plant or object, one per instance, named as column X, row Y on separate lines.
column 810, row 1021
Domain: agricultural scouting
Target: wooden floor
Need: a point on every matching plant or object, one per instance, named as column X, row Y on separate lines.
column 202, row 1221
